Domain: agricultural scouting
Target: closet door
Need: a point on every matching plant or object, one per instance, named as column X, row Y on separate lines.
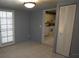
column 66, row 22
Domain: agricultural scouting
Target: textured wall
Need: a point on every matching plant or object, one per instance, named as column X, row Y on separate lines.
column 75, row 38
column 21, row 26
column 35, row 22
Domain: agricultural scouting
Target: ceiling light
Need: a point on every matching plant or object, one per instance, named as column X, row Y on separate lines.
column 28, row 1
column 29, row 4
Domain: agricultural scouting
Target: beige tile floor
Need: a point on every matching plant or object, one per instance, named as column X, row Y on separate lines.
column 28, row 50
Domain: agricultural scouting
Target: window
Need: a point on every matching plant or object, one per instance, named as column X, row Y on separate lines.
column 6, row 24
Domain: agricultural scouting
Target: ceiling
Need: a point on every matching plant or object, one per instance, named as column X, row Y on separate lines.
column 18, row 4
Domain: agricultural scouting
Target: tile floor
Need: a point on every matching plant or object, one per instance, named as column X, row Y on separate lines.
column 28, row 50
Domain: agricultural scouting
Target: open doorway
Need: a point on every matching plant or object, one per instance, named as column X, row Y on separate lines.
column 48, row 31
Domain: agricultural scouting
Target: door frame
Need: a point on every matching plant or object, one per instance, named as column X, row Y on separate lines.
column 13, row 42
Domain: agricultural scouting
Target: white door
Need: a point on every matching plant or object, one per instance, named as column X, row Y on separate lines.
column 6, row 28
column 66, row 22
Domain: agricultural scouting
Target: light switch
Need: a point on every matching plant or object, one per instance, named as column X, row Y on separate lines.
column 40, row 26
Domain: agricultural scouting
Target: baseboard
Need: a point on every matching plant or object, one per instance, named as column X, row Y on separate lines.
column 74, row 56
column 7, row 44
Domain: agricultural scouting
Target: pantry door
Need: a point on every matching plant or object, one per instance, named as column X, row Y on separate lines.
column 6, row 28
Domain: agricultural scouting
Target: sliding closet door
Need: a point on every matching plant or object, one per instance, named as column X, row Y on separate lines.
column 6, row 28
column 66, row 22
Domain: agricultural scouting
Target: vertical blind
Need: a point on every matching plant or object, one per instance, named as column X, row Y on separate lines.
column 6, row 26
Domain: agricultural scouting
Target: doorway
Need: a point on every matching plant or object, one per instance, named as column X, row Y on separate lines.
column 6, row 28
column 48, row 31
